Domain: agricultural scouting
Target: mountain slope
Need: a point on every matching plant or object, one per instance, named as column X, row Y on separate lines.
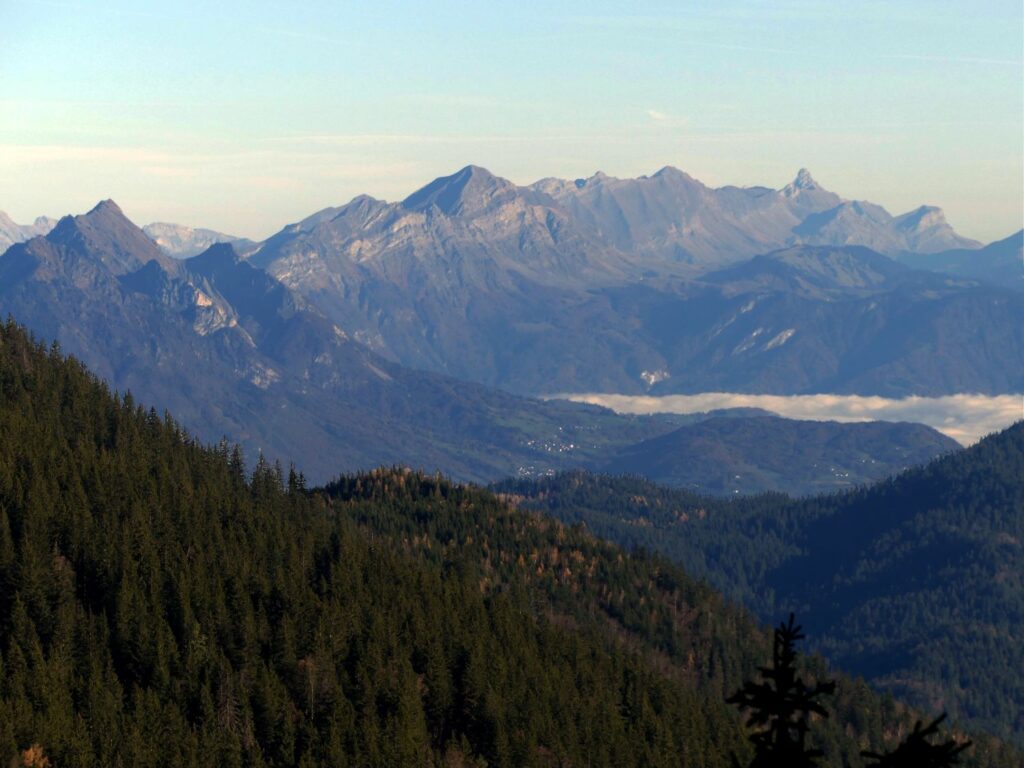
column 169, row 612
column 765, row 453
column 425, row 281
column 814, row 271
column 165, row 609
column 233, row 352
column 999, row 263
column 775, row 327
column 913, row 583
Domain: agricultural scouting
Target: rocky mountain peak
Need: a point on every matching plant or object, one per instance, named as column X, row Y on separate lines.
column 106, row 234
column 106, row 208
column 803, row 182
column 924, row 216
column 466, row 191
column 672, row 174
column 217, row 256
column 598, row 178
column 926, row 230
column 11, row 232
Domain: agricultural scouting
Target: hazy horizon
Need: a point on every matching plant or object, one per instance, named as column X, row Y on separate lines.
column 275, row 226
column 964, row 417
column 261, row 114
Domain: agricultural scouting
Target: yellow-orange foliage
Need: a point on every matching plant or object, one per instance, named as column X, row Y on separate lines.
column 34, row 757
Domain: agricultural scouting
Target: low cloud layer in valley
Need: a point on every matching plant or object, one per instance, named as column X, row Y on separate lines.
column 965, row 417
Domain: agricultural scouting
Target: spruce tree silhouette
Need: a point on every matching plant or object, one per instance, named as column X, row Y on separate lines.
column 916, row 752
column 781, row 707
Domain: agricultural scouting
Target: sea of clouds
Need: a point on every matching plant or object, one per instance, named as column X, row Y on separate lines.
column 965, row 418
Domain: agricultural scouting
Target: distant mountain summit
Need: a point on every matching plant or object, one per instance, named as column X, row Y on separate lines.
column 11, row 232
column 659, row 284
column 803, row 182
column 674, row 216
column 923, row 230
column 183, row 242
column 237, row 353
column 467, row 192
column 106, row 234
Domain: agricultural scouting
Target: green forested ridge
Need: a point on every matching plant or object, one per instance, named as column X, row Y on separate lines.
column 915, row 583
column 160, row 607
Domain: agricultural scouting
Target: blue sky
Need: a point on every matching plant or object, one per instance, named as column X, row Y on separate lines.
column 243, row 116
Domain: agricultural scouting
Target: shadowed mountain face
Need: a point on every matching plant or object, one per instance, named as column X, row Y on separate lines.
column 813, row 271
column 999, row 263
column 751, row 455
column 236, row 353
column 606, row 285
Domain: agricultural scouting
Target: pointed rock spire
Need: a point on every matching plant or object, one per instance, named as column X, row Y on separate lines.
column 804, row 180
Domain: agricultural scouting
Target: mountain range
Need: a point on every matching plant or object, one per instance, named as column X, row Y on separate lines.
column 999, row 263
column 672, row 216
column 418, row 332
column 183, row 242
column 655, row 284
column 175, row 240
column 236, row 353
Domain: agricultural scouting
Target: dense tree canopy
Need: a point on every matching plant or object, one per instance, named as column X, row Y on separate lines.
column 916, row 583
column 162, row 606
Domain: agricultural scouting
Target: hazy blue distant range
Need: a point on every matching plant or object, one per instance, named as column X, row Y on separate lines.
column 234, row 352
column 965, row 417
column 662, row 285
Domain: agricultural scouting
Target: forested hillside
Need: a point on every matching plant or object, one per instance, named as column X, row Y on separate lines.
column 914, row 583
column 161, row 606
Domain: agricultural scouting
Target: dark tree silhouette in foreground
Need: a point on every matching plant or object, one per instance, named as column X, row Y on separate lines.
column 917, row 752
column 781, row 706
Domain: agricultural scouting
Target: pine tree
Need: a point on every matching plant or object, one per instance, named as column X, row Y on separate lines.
column 916, row 751
column 781, row 706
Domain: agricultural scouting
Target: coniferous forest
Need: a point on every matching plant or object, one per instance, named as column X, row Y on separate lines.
column 914, row 582
column 161, row 603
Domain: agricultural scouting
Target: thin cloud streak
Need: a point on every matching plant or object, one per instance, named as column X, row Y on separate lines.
column 666, row 120
column 965, row 417
column 366, row 139
column 953, row 59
